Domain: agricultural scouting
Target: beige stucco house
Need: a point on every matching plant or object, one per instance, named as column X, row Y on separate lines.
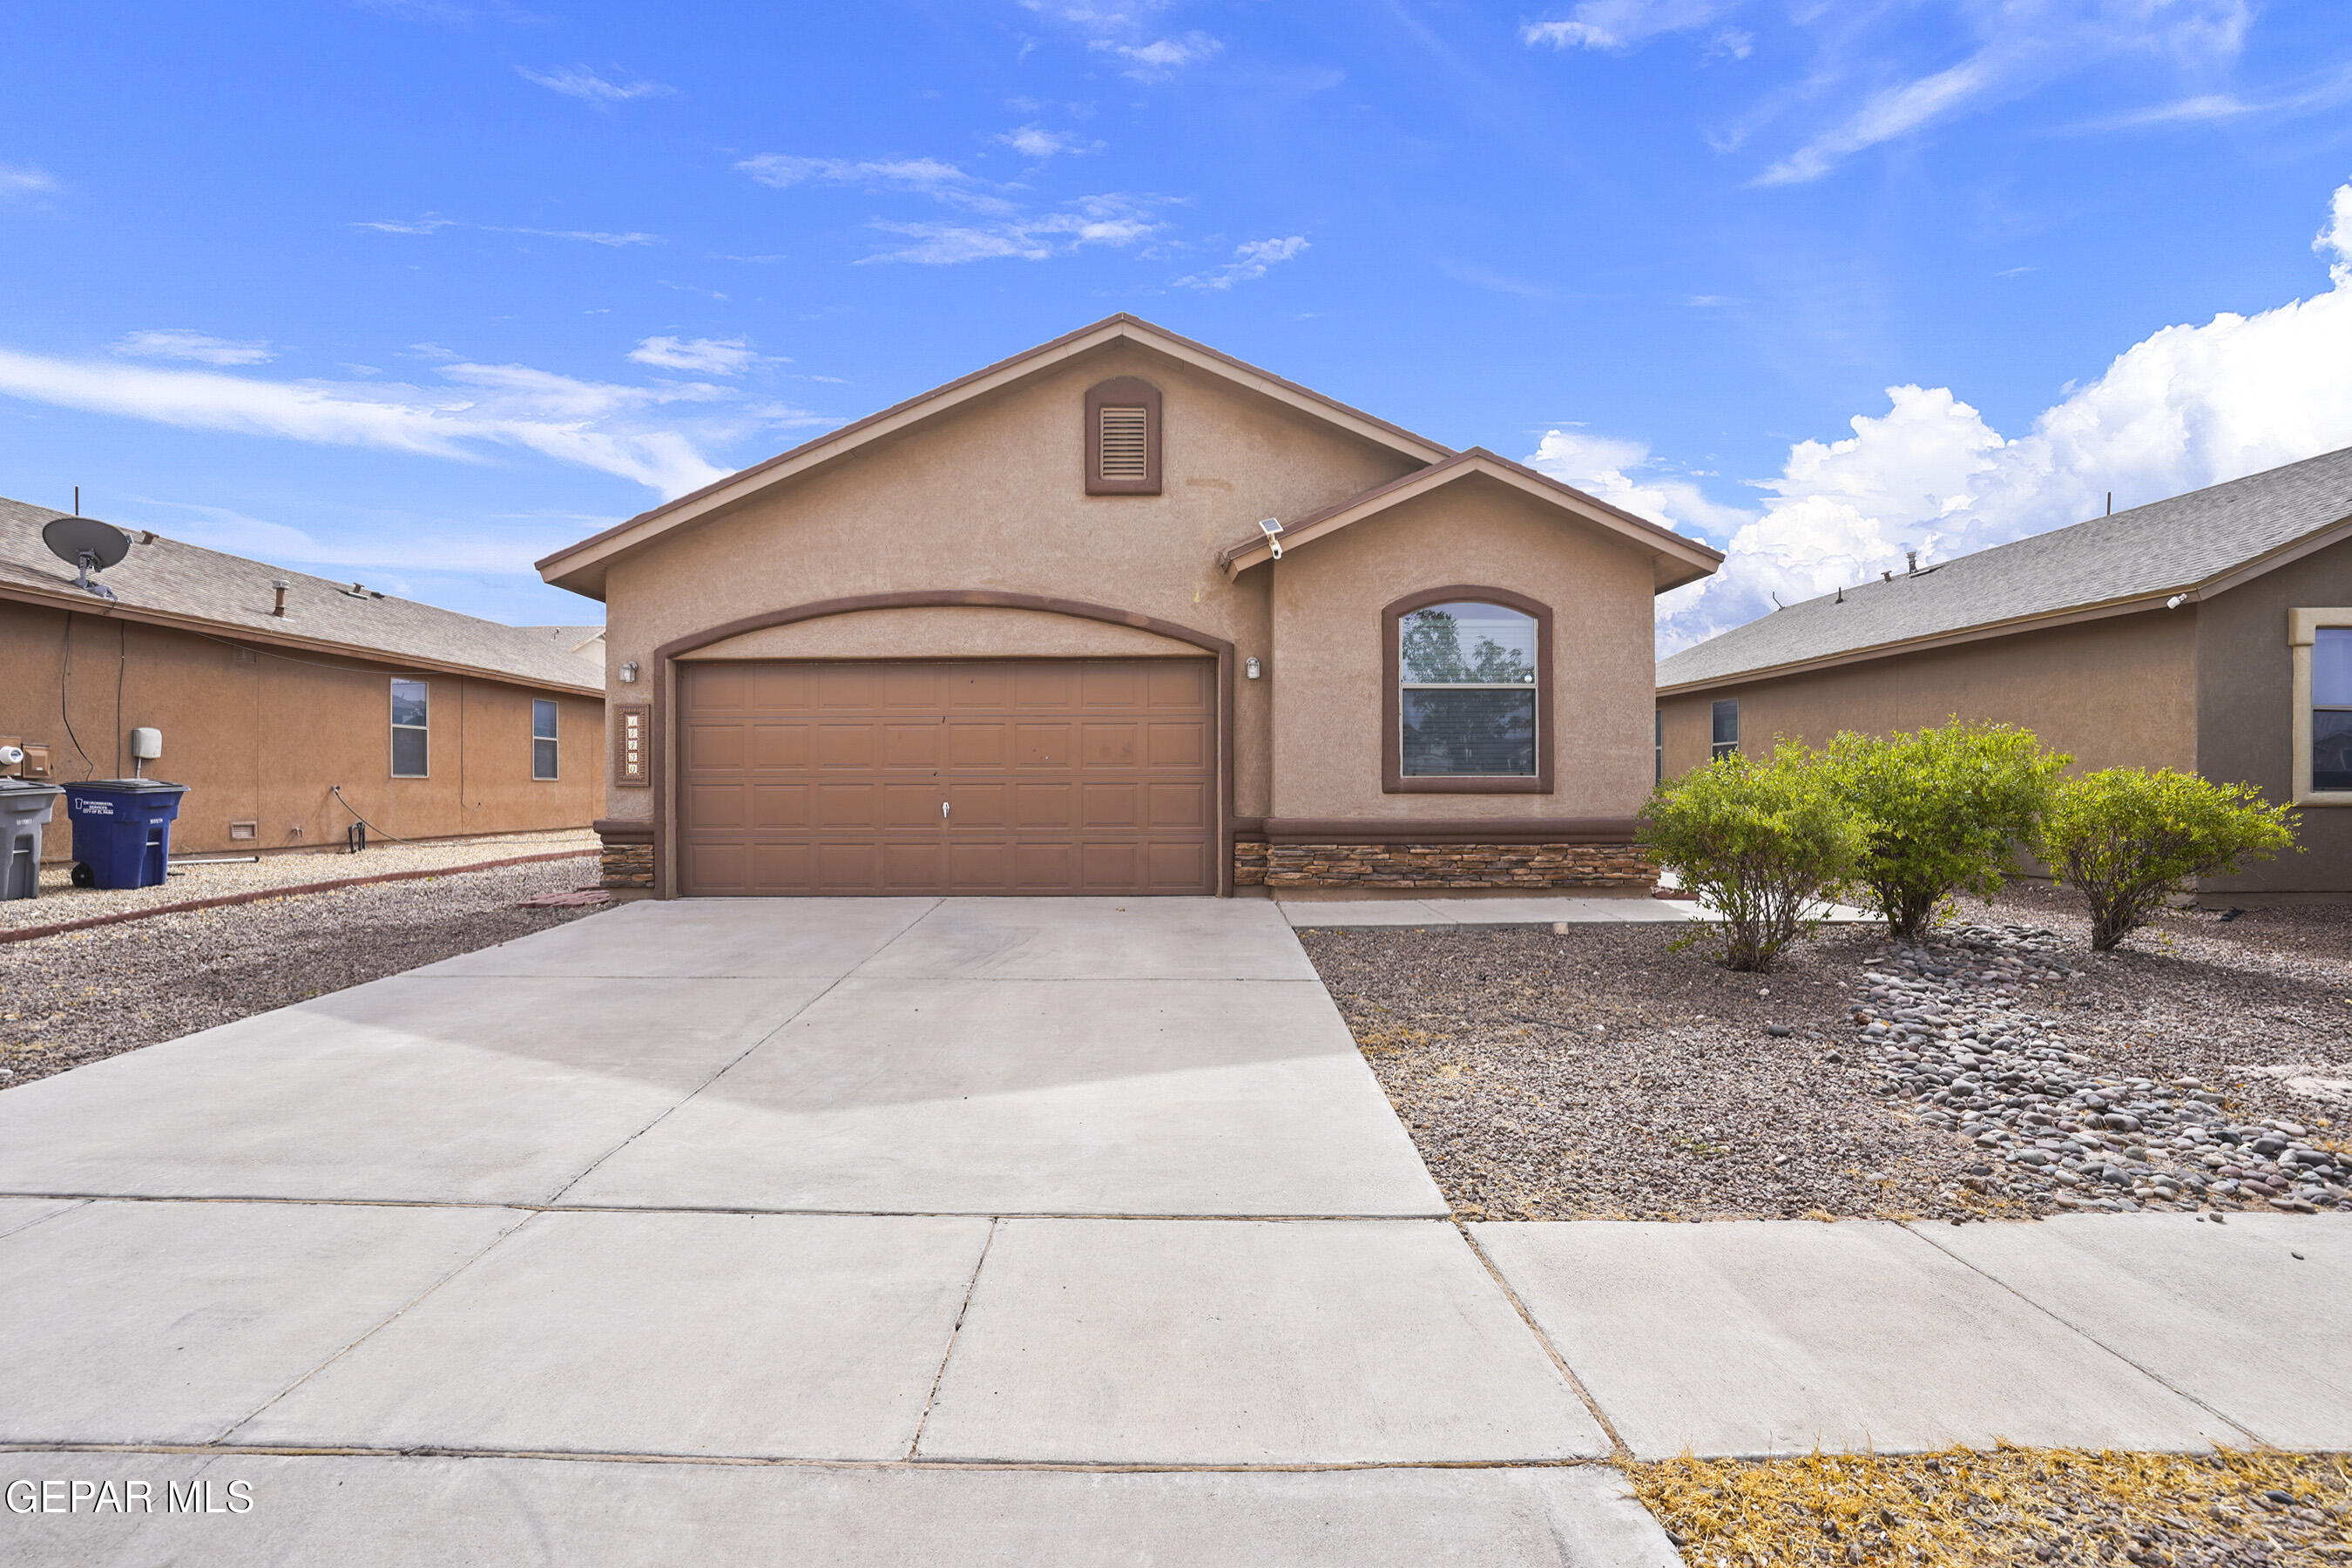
column 2211, row 632
column 1028, row 633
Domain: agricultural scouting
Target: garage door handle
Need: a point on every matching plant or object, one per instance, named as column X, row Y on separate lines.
column 943, row 808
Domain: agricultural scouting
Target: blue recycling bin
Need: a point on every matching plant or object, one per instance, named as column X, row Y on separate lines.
column 123, row 831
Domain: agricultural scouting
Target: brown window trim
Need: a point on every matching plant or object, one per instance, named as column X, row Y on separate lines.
column 1123, row 391
column 1393, row 778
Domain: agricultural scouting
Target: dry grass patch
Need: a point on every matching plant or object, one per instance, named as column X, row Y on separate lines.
column 1965, row 1509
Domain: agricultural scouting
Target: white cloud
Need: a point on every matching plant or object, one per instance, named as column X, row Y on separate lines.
column 599, row 426
column 1107, row 220
column 1867, row 87
column 993, row 225
column 434, row 222
column 1617, row 24
column 18, row 180
column 1161, row 56
column 926, row 174
column 168, row 342
column 711, row 356
column 1038, row 143
column 580, row 82
column 1250, row 261
column 2187, row 406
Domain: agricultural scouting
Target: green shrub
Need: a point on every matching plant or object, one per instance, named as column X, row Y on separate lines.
column 2128, row 840
column 1758, row 841
column 1945, row 806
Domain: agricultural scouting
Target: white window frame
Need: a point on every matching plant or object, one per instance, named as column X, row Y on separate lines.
column 392, row 760
column 554, row 731
column 1717, row 749
column 2302, row 629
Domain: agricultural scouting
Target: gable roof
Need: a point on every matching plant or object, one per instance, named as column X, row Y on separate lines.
column 1678, row 560
column 2194, row 546
column 581, row 567
column 168, row 582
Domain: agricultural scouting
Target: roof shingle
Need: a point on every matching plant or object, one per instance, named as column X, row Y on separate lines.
column 184, row 582
column 2168, row 546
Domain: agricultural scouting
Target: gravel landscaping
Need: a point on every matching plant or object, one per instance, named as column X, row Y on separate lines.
column 1603, row 1073
column 79, row 996
column 1959, row 1509
column 200, row 878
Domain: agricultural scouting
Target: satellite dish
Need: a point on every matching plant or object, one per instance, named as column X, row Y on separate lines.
column 89, row 544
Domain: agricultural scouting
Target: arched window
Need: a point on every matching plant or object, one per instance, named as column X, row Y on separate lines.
column 1469, row 693
column 1123, row 437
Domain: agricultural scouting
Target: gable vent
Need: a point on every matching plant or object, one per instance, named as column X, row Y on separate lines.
column 1122, row 444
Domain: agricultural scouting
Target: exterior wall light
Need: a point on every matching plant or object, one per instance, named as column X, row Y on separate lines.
column 629, row 672
column 1250, row 667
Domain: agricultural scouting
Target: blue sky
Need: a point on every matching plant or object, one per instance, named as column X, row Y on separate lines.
column 414, row 290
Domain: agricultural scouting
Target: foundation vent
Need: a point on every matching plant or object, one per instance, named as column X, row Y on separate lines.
column 1123, row 456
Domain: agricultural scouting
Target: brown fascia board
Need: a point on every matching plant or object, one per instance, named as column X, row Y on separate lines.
column 2191, row 593
column 578, row 566
column 1698, row 560
column 1984, row 633
column 234, row 633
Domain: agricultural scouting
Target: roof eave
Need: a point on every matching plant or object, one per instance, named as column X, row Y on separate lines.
column 580, row 567
column 233, row 631
column 1677, row 559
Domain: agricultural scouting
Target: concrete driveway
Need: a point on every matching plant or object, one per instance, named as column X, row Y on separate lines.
column 970, row 1232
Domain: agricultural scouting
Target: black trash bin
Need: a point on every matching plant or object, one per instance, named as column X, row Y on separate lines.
column 24, row 809
column 123, row 831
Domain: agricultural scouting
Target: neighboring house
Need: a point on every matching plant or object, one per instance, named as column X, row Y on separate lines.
column 2209, row 633
column 1024, row 634
column 580, row 642
column 271, row 689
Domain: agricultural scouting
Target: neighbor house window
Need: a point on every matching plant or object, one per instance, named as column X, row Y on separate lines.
column 1469, row 695
column 1725, row 739
column 1122, row 437
column 542, row 737
column 2321, row 641
column 409, row 699
column 1658, row 740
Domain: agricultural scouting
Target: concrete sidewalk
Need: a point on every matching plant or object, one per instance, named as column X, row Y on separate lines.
column 977, row 1232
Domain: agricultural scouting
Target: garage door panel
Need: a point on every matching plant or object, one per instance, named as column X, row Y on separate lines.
column 776, row 688
column 1178, row 683
column 1177, row 808
column 1045, row 807
column 1110, row 805
column 780, row 807
column 1176, row 745
column 714, row 745
column 721, row 807
column 982, row 743
column 1044, row 746
column 1110, row 745
column 1061, row 776
column 910, row 743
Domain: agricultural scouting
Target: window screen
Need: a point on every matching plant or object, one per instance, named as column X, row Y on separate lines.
column 2331, row 709
column 1467, row 698
column 542, row 737
column 409, row 705
column 1726, row 739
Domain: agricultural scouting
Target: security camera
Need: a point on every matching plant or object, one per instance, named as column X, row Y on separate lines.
column 11, row 756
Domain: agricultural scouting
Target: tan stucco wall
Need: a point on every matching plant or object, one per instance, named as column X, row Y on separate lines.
column 2246, row 716
column 958, row 631
column 262, row 739
column 1327, row 675
column 2117, row 692
column 991, row 496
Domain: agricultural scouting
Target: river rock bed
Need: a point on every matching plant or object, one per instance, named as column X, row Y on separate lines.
column 1948, row 1028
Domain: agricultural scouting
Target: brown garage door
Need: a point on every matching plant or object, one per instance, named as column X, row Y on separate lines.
column 987, row 776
